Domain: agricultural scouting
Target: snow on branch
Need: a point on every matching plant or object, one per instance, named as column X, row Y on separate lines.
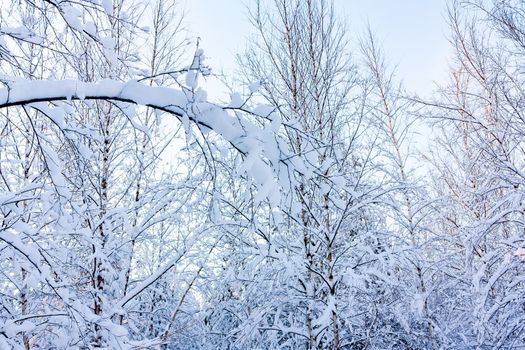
column 265, row 156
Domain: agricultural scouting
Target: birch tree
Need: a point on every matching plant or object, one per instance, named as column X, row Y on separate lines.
column 479, row 170
column 82, row 198
column 318, row 241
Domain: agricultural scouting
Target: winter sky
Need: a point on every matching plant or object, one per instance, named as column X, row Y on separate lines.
column 412, row 32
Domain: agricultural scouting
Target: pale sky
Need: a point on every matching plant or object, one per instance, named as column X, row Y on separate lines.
column 412, row 32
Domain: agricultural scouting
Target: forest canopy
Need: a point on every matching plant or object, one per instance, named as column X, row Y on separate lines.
column 303, row 212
